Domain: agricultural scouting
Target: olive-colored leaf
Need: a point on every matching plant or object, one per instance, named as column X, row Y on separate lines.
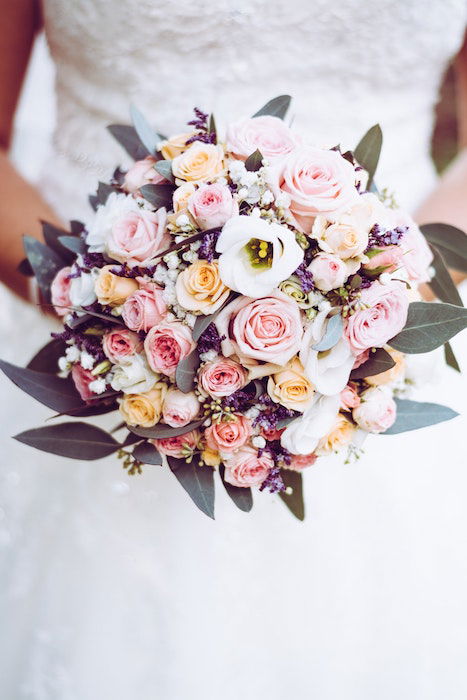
column 242, row 497
column 379, row 361
column 164, row 168
column 276, row 107
column 368, row 151
column 158, row 195
column 52, row 235
column 202, row 322
column 73, row 243
column 146, row 133
column 254, row 162
column 450, row 357
column 412, row 415
column 104, row 191
column 44, row 261
column 442, row 284
column 147, row 453
column 128, row 138
column 54, row 392
column 74, row 440
column 24, row 268
column 197, row 481
column 46, row 359
column 429, row 326
column 451, row 241
column 161, row 430
column 294, row 500
column 185, row 374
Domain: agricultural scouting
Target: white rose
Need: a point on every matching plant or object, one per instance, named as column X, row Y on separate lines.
column 82, row 288
column 347, row 234
column 116, row 206
column 301, row 437
column 330, row 272
column 134, row 376
column 256, row 255
column 377, row 410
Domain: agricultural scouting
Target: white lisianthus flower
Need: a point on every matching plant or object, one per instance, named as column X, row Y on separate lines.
column 134, row 376
column 329, row 370
column 301, row 437
column 116, row 206
column 256, row 256
column 82, row 288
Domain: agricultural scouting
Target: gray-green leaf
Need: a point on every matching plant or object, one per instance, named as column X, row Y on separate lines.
column 148, row 137
column 442, row 284
column 412, row 415
column 429, row 326
column 379, row 361
column 368, row 151
column 161, row 430
column 185, row 374
column 75, row 440
column 44, row 261
column 293, row 501
column 332, row 335
column 164, row 168
column 147, row 453
column 451, row 241
column 242, row 497
column 254, row 162
column 276, row 107
column 197, row 481
column 158, row 195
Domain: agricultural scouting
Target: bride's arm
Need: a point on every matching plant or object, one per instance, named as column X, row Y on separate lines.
column 448, row 203
column 21, row 206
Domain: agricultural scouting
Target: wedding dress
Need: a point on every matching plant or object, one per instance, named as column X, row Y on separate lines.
column 116, row 587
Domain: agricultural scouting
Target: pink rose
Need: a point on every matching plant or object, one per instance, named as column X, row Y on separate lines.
column 60, row 291
column 268, row 134
column 361, row 358
column 417, row 256
column 384, row 318
column 142, row 173
column 175, row 446
column 166, row 345
column 221, row 377
column 119, row 343
column 385, row 259
column 145, row 308
column 330, row 272
column 138, row 236
column 246, row 468
column 300, row 462
column 179, row 409
column 82, row 379
column 318, row 181
column 228, row 436
column 270, row 434
column 349, row 398
column 267, row 329
column 212, row 205
column 376, row 412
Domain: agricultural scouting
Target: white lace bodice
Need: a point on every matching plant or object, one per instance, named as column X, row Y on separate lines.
column 347, row 65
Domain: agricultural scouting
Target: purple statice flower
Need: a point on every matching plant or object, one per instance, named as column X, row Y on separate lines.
column 207, row 249
column 242, row 399
column 204, row 136
column 383, row 237
column 90, row 343
column 131, row 272
column 271, row 413
column 91, row 260
column 273, row 482
column 305, row 277
column 209, row 340
column 200, row 120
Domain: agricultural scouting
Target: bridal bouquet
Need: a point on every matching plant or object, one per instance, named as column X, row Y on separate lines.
column 245, row 301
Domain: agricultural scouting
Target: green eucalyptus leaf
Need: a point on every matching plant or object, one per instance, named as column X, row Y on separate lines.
column 442, row 284
column 147, row 453
column 128, row 138
column 451, row 242
column 54, row 392
column 73, row 243
column 412, row 415
column 332, row 334
column 242, row 497
column 158, row 195
column 212, row 125
column 164, row 168
column 148, row 137
column 185, row 374
column 276, row 107
column 74, row 440
column 44, row 261
column 254, row 162
column 450, row 357
column 52, row 235
column 203, row 322
column 429, row 326
column 368, row 151
column 293, row 501
column 104, row 191
column 161, row 430
column 379, row 361
column 197, row 481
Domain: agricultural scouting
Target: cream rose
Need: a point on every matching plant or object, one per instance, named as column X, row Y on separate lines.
column 330, row 272
column 113, row 290
column 200, row 288
column 341, row 435
column 291, row 388
column 133, row 376
column 199, row 163
column 347, row 234
column 179, row 409
column 181, row 197
column 145, row 409
column 176, row 145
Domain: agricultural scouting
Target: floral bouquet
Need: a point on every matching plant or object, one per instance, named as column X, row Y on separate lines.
column 246, row 302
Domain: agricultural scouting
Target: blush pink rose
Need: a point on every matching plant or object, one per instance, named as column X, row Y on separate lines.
column 212, row 205
column 386, row 260
column 417, row 256
column 228, row 436
column 270, row 434
column 138, row 236
column 82, row 379
column 384, row 318
column 120, row 343
column 142, row 173
column 60, row 291
column 179, row 409
column 144, row 308
column 300, row 462
column 318, row 181
column 268, row 134
column 221, row 377
column 166, row 345
column 349, row 398
column 247, row 468
column 175, row 446
column 267, row 329
column 376, row 412
column 361, row 358
column 329, row 271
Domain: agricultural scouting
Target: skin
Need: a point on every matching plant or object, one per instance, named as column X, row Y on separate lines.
column 22, row 208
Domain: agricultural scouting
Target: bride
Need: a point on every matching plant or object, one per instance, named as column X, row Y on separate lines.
column 117, row 587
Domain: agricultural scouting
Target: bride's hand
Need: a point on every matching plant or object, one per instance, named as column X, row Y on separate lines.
column 21, row 206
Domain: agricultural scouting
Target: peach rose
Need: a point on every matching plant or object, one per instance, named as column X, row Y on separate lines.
column 111, row 289
column 211, row 457
column 179, row 446
column 391, row 374
column 267, row 329
column 300, row 462
column 330, row 272
column 199, row 163
column 385, row 259
column 268, row 134
column 347, row 234
column 166, row 345
column 145, row 308
column 211, row 205
column 143, row 409
column 137, row 236
column 228, row 436
column 340, row 436
column 82, row 379
column 377, row 411
column 349, row 398
column 318, row 181
column 142, row 173
column 247, row 468
column 290, row 387
column 200, row 288
column 60, row 291
column 385, row 316
column 173, row 147
column 222, row 377
column 120, row 343
column 181, row 197
column 179, row 409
